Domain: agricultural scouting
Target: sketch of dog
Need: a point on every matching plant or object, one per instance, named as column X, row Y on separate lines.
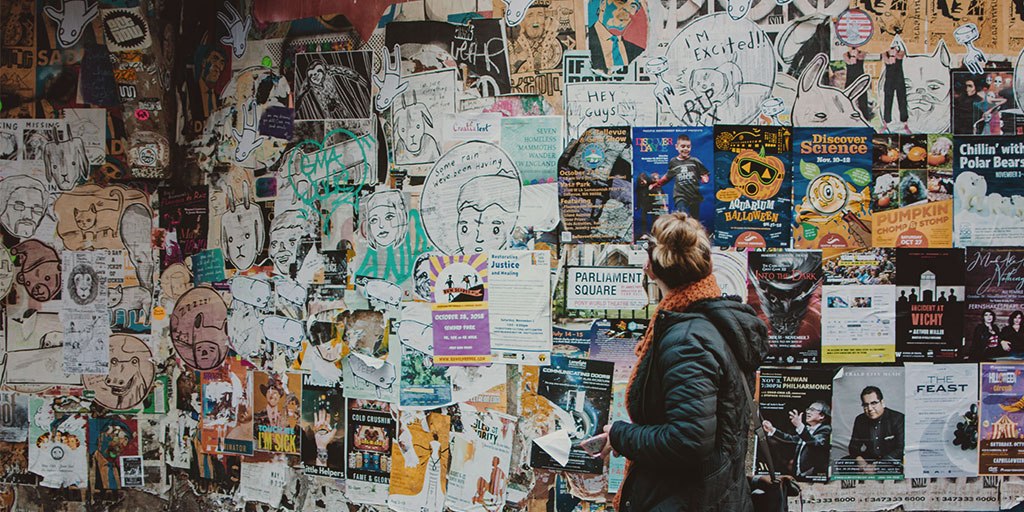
column 822, row 105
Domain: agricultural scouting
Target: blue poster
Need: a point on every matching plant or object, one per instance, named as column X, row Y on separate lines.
column 673, row 170
column 753, row 186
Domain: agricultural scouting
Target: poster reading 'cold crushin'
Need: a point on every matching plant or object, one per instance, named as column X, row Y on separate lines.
column 753, row 204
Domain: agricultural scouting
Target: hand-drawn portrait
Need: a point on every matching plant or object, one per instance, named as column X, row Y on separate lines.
column 534, row 44
column 471, row 199
column 175, row 281
column 136, row 232
column 928, row 89
column 332, row 85
column 417, row 113
column 38, row 269
column 65, row 163
column 243, row 232
column 421, row 275
column 383, row 219
column 616, row 32
column 24, row 202
column 84, row 285
column 131, row 374
column 199, row 328
column 286, row 230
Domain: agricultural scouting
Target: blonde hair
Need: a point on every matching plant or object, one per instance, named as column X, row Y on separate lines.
column 680, row 250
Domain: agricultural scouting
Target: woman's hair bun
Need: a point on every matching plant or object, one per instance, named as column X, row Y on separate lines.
column 682, row 250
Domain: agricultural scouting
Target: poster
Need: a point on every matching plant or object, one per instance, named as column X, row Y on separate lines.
column 858, row 324
column 930, row 304
column 832, row 187
column 420, row 457
column 57, row 444
column 1000, row 442
column 536, row 46
column 985, row 104
column 753, row 204
column 227, row 424
column 13, row 417
column 110, row 439
column 876, row 265
column 595, row 179
column 942, row 410
column 785, row 291
column 460, row 315
column 912, row 191
column 519, row 302
column 369, row 432
column 480, row 457
column 184, row 218
column 868, row 423
column 672, row 171
column 277, row 405
column 582, row 388
column 323, row 430
column 797, row 406
column 988, row 197
column 606, row 288
column 994, row 321
column 536, row 141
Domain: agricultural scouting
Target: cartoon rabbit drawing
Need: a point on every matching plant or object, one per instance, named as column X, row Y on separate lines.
column 249, row 139
column 238, row 29
column 392, row 85
column 515, row 11
column 71, row 20
column 822, row 105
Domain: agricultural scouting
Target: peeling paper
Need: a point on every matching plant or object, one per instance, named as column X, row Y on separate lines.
column 557, row 445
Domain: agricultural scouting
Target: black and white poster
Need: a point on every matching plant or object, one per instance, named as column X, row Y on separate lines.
column 796, row 409
column 929, row 304
column 332, row 85
column 868, row 404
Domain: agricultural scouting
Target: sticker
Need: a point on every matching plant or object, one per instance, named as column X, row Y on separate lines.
column 854, row 27
column 125, row 30
column 159, row 313
column 141, row 115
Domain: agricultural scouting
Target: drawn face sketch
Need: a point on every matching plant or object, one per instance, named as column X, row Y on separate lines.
column 6, row 271
column 421, row 275
column 175, row 281
column 24, row 205
column 65, row 163
column 385, row 219
column 199, row 328
column 471, row 199
column 738, row 8
column 136, row 229
column 131, row 374
column 84, row 285
column 488, row 210
column 928, row 90
column 242, row 232
column 39, row 270
column 286, row 230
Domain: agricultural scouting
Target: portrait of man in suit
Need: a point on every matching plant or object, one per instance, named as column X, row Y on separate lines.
column 611, row 47
column 877, row 432
column 810, row 439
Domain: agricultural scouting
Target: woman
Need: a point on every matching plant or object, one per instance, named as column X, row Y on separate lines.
column 688, row 439
column 1011, row 338
column 963, row 107
column 985, row 340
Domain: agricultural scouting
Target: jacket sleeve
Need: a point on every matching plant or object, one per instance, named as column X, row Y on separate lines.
column 857, row 437
column 690, row 382
column 820, row 437
column 895, row 448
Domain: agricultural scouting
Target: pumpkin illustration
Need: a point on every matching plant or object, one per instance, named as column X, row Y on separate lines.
column 757, row 176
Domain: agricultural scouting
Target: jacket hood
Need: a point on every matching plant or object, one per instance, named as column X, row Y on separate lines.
column 744, row 332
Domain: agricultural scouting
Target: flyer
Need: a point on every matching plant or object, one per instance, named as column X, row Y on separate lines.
column 369, row 432
column 753, row 186
column 988, row 195
column 420, row 457
column 867, row 423
column 110, row 439
column 605, row 288
column 1000, row 441
column 941, row 403
column 536, row 141
column 876, row 265
column 13, row 417
column 183, row 215
column 582, row 388
column 858, row 324
column 994, row 321
column 460, row 315
column 785, row 290
column 672, row 172
column 796, row 406
column 573, row 339
column 227, row 425
column 519, row 285
column 832, row 187
column 480, row 459
column 595, row 180
column 912, row 191
column 930, row 305
column 278, row 404
column 323, row 429
column 57, row 444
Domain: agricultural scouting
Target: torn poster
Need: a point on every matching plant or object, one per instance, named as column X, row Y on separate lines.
column 323, row 430
column 109, row 439
column 264, row 482
column 520, row 306
column 461, row 324
column 480, row 459
column 13, row 417
column 369, row 430
column 57, row 445
column 131, row 471
column 419, row 470
column 227, row 425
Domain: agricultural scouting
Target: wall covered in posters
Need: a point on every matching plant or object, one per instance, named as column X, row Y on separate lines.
column 391, row 255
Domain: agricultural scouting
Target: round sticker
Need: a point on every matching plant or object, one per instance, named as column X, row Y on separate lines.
column 854, row 27
column 141, row 114
column 159, row 313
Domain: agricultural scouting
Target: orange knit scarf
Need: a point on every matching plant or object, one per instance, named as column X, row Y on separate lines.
column 677, row 300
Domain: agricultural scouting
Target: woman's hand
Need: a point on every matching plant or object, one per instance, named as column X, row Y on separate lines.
column 608, row 443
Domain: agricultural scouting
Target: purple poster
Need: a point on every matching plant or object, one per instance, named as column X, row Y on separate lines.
column 459, row 297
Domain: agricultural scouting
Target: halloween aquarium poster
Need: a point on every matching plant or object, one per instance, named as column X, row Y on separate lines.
column 784, row 288
column 753, row 202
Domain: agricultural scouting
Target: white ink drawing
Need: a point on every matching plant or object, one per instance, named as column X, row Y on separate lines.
column 966, row 35
column 65, row 163
column 135, row 301
column 515, row 11
column 738, row 8
column 243, row 231
column 238, row 29
column 332, row 85
column 928, row 90
column 471, row 199
column 382, row 294
column 282, row 330
column 392, row 85
column 131, row 374
column 71, row 19
column 824, row 105
column 286, row 231
column 384, row 219
column 199, row 328
column 24, row 205
column 244, row 330
column 381, row 375
column 249, row 140
column 250, row 290
column 413, row 124
column 290, row 291
column 136, row 230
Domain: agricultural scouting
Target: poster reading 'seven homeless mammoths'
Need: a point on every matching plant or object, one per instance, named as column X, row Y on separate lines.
column 753, row 205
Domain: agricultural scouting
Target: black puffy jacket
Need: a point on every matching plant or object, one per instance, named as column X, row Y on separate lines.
column 688, row 438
